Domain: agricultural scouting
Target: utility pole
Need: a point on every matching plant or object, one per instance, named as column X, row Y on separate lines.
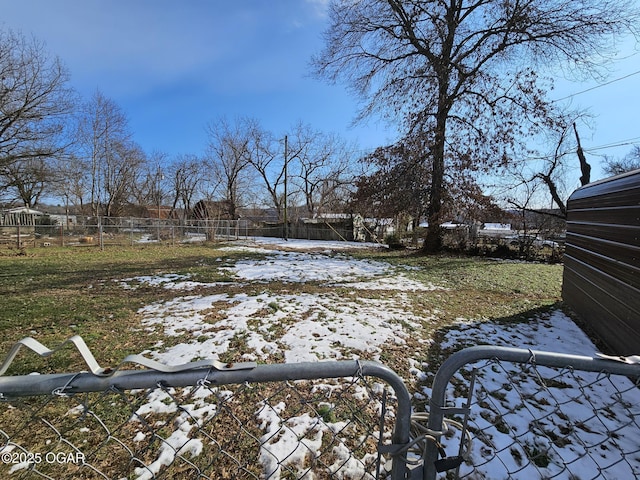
column 159, row 178
column 286, row 225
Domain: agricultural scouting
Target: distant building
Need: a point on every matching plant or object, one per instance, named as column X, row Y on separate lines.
column 497, row 226
column 495, row 230
column 212, row 210
column 158, row 211
column 19, row 216
column 65, row 220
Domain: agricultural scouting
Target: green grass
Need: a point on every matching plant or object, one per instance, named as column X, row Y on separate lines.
column 478, row 287
column 55, row 293
column 52, row 294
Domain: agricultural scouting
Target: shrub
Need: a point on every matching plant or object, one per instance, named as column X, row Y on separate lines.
column 393, row 241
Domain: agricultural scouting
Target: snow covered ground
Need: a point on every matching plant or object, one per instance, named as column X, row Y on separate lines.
column 577, row 425
column 350, row 321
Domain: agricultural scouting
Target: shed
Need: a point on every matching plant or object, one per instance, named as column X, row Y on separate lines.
column 601, row 280
column 19, row 216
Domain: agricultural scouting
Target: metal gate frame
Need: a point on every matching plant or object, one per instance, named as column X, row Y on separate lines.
column 437, row 405
column 241, row 373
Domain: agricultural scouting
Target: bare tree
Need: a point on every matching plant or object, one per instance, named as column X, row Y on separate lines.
column 35, row 101
column 73, row 181
column 553, row 175
column 266, row 156
column 323, row 167
column 110, row 155
column 151, row 188
column 185, row 176
column 551, row 171
column 28, row 179
column 119, row 173
column 462, row 73
column 229, row 156
column 629, row 162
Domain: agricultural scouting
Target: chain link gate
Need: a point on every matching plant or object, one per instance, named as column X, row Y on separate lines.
column 494, row 413
column 498, row 412
column 323, row 420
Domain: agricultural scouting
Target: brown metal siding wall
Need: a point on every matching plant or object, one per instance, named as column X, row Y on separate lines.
column 602, row 260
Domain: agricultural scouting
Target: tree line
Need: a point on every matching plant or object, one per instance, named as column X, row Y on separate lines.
column 82, row 152
column 466, row 82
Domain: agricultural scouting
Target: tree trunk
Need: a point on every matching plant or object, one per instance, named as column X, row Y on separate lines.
column 433, row 240
column 585, row 168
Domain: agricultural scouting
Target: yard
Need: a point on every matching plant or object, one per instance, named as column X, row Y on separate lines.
column 271, row 301
column 171, row 301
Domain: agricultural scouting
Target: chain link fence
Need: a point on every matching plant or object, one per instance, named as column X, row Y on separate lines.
column 329, row 420
column 493, row 413
column 511, row 413
column 125, row 231
column 104, row 231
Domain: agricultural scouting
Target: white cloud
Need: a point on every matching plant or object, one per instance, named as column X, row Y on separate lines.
column 319, row 7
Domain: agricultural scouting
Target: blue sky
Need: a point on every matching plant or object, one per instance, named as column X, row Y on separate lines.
column 173, row 66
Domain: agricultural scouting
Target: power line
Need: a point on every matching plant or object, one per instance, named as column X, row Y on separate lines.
column 620, row 143
column 598, row 86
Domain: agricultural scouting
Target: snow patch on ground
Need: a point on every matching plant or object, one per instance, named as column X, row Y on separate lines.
column 305, row 267
column 305, row 327
column 346, row 324
column 168, row 281
column 555, row 332
column 589, row 407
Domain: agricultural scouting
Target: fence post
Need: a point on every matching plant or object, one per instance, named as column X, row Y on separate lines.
column 100, row 231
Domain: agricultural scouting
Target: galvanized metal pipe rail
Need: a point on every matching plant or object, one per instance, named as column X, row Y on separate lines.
column 471, row 355
column 73, row 383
